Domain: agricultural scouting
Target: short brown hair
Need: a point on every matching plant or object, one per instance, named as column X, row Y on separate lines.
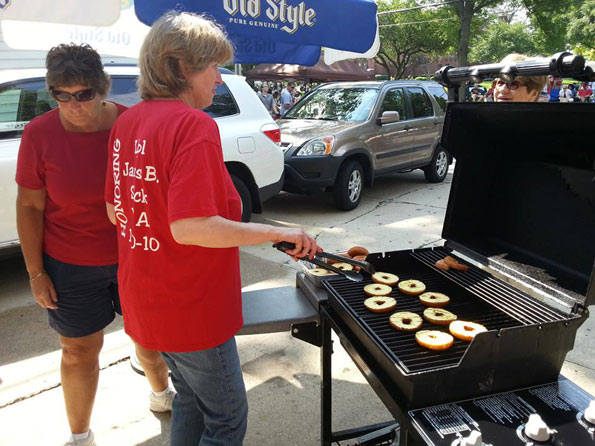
column 71, row 64
column 533, row 83
column 179, row 39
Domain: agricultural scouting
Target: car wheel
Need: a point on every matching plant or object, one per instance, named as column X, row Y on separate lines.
column 349, row 185
column 436, row 171
column 245, row 196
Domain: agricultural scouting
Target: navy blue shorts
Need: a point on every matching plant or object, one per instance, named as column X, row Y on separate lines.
column 87, row 297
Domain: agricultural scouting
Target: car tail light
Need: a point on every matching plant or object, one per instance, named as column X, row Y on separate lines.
column 272, row 132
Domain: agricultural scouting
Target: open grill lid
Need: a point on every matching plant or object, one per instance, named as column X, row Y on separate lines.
column 523, row 194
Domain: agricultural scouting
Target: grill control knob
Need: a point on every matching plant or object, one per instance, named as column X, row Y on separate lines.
column 474, row 439
column 536, row 429
column 590, row 413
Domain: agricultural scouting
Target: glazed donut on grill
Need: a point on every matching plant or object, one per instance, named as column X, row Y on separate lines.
column 405, row 321
column 432, row 299
column 439, row 316
column 434, row 339
column 465, row 331
column 380, row 304
column 385, row 278
column 358, row 251
column 320, row 272
column 412, row 287
column 454, row 264
column 344, row 266
column 377, row 289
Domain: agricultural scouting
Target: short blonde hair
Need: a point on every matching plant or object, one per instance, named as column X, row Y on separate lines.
column 176, row 40
column 533, row 83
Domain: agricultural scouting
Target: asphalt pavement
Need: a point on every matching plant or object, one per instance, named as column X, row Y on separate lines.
column 281, row 373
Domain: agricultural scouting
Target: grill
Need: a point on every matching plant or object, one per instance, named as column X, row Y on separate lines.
column 474, row 298
column 523, row 214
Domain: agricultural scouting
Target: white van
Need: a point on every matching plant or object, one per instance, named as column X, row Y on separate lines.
column 250, row 137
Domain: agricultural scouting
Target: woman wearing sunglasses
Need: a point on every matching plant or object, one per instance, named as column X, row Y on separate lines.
column 68, row 242
column 522, row 89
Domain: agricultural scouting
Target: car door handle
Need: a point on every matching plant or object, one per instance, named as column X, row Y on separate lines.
column 436, row 122
column 407, row 127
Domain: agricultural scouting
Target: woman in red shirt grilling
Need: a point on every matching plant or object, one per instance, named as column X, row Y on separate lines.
column 178, row 218
column 67, row 240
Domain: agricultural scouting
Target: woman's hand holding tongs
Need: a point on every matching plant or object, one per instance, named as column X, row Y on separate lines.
column 305, row 245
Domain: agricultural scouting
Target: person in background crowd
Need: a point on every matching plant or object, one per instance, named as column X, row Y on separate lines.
column 476, row 93
column 276, row 105
column 522, row 89
column 585, row 92
column 565, row 94
column 555, row 85
column 266, row 98
column 489, row 97
column 287, row 98
column 68, row 242
column 179, row 259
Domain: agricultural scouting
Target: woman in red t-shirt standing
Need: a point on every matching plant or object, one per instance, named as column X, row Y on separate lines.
column 178, row 218
column 68, row 242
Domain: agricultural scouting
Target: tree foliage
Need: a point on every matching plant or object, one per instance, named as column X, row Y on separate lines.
column 500, row 39
column 581, row 25
column 407, row 35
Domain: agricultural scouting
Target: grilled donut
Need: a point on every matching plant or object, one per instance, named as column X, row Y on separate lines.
column 434, row 339
column 377, row 289
column 380, row 304
column 358, row 251
column 385, row 278
column 320, row 272
column 439, row 316
column 432, row 299
column 344, row 266
column 405, row 321
column 465, row 331
column 412, row 287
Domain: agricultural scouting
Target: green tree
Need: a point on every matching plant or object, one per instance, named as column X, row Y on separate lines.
column 501, row 38
column 407, row 35
column 581, row 25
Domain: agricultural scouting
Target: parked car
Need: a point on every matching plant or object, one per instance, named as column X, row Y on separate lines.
column 341, row 135
column 250, row 137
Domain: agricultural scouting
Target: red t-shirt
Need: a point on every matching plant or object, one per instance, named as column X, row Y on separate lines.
column 71, row 167
column 166, row 164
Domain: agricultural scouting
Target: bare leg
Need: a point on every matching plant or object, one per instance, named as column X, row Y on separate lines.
column 80, row 372
column 155, row 369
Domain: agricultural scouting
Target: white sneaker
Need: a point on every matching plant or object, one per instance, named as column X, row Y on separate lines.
column 162, row 403
column 89, row 441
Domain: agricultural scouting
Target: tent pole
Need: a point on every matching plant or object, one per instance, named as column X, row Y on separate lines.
column 237, row 68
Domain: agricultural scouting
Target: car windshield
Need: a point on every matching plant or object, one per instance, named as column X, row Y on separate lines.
column 335, row 104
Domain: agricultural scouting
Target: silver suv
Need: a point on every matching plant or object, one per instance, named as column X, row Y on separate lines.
column 342, row 135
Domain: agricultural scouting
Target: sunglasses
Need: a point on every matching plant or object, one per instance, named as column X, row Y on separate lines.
column 514, row 85
column 81, row 95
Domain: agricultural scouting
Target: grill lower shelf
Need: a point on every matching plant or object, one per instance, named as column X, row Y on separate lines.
column 516, row 351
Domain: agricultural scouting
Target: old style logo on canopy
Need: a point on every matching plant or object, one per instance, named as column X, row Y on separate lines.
column 281, row 31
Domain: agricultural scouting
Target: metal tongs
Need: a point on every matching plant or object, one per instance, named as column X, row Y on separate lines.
column 318, row 260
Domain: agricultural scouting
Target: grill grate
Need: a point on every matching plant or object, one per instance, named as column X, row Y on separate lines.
column 478, row 298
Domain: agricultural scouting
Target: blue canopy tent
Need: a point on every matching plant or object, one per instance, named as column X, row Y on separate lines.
column 281, row 31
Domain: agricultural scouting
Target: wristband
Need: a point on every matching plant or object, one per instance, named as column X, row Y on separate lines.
column 37, row 276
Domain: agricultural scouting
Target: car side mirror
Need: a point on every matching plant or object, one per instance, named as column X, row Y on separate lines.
column 388, row 117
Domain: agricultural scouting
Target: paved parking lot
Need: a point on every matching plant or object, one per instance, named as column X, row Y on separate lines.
column 282, row 374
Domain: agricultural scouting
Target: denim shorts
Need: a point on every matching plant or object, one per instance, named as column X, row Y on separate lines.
column 87, row 297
